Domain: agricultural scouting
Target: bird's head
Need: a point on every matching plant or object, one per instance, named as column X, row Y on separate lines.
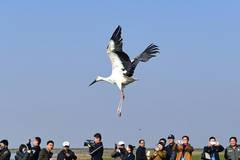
column 96, row 80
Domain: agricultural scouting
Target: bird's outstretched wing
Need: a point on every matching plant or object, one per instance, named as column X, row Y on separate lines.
column 147, row 54
column 120, row 60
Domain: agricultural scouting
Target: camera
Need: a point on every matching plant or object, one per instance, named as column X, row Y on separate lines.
column 29, row 146
column 179, row 141
column 89, row 142
column 213, row 143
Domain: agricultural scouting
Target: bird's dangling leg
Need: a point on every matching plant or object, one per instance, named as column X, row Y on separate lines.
column 122, row 95
column 119, row 108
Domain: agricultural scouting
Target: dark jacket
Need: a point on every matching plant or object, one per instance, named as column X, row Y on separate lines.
column 66, row 155
column 5, row 154
column 130, row 156
column 122, row 155
column 231, row 154
column 171, row 150
column 36, row 150
column 45, row 154
column 22, row 156
column 96, row 151
column 141, row 153
column 212, row 151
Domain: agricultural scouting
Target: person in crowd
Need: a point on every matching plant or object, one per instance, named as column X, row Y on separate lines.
column 171, row 148
column 5, row 153
column 66, row 153
column 141, row 150
column 36, row 148
column 130, row 155
column 46, row 153
column 120, row 152
column 232, row 152
column 163, row 141
column 159, row 152
column 96, row 149
column 23, row 153
column 211, row 151
column 184, row 149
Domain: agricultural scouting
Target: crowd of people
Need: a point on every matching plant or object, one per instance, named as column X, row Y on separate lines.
column 166, row 149
column 171, row 149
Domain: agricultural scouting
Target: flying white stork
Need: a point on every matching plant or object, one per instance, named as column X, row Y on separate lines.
column 122, row 67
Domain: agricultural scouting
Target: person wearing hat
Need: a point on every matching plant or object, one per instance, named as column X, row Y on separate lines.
column 130, row 155
column 66, row 153
column 120, row 152
column 5, row 153
column 159, row 152
column 171, row 148
column 23, row 153
column 163, row 141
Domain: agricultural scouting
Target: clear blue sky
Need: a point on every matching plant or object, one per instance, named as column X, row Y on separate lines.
column 51, row 50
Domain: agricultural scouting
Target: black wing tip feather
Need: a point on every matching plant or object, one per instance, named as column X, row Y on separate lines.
column 117, row 39
column 116, row 36
column 148, row 53
column 152, row 50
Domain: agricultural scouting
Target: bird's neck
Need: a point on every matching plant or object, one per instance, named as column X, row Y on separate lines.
column 107, row 79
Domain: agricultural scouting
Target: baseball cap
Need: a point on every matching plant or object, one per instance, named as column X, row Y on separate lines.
column 171, row 136
column 121, row 143
column 131, row 147
column 66, row 144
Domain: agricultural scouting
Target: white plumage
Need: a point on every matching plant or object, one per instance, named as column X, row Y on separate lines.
column 122, row 67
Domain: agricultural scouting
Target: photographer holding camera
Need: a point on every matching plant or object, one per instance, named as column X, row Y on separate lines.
column 120, row 152
column 66, row 153
column 23, row 153
column 184, row 149
column 35, row 147
column 95, row 147
column 211, row 151
column 159, row 152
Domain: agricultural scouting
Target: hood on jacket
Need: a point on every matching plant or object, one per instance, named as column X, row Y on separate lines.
column 21, row 147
